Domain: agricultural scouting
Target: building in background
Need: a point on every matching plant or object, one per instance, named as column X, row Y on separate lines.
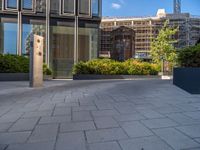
column 70, row 29
column 146, row 28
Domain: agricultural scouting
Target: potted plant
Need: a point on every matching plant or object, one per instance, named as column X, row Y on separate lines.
column 187, row 74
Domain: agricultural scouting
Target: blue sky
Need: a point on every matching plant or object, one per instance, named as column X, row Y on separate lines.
column 146, row 7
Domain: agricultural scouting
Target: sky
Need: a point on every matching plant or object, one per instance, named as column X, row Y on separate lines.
column 146, row 7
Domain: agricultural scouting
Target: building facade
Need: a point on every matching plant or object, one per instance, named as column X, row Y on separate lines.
column 146, row 28
column 70, row 29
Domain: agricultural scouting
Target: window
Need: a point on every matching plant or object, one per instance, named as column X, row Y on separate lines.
column 95, row 7
column 8, row 31
column 84, row 7
column 68, row 6
column 27, row 4
column 11, row 4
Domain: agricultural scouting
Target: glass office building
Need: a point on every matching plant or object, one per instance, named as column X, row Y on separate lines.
column 70, row 29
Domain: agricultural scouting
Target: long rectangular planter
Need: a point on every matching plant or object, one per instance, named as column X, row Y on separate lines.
column 101, row 77
column 14, row 76
column 187, row 79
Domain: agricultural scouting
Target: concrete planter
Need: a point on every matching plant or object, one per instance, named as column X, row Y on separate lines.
column 14, row 76
column 187, row 79
column 47, row 77
column 101, row 77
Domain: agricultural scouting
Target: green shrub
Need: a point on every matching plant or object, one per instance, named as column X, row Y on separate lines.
column 112, row 67
column 189, row 56
column 46, row 70
column 17, row 64
column 13, row 64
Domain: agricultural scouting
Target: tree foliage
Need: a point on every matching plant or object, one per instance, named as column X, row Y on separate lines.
column 162, row 47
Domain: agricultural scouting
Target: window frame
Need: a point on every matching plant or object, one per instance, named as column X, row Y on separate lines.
column 6, row 8
column 90, row 10
column 62, row 8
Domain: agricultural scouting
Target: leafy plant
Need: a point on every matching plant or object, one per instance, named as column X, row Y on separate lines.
column 189, row 56
column 112, row 67
column 46, row 70
column 13, row 64
column 162, row 46
column 18, row 64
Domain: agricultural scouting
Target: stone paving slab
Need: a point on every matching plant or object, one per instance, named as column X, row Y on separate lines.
column 32, row 146
column 193, row 131
column 105, row 146
column 159, row 123
column 99, row 115
column 145, row 143
column 136, row 129
column 71, row 141
column 105, row 135
column 176, row 139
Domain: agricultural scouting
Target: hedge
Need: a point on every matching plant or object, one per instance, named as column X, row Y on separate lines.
column 189, row 56
column 111, row 67
column 18, row 64
column 13, row 64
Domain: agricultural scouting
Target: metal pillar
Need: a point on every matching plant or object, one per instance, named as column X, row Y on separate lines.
column 19, row 31
column 47, row 31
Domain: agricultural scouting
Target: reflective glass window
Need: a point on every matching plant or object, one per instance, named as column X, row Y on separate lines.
column 62, row 50
column 11, row 4
column 28, row 30
column 84, row 7
column 8, row 38
column 68, row 6
column 87, row 42
column 27, row 4
column 95, row 7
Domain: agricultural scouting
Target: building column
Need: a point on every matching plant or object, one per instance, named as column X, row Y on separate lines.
column 19, row 33
column 47, row 31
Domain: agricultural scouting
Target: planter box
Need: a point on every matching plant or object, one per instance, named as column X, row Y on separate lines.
column 101, row 77
column 14, row 76
column 187, row 79
column 47, row 77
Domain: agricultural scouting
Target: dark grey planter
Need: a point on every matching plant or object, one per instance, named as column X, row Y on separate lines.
column 188, row 79
column 14, row 76
column 101, row 77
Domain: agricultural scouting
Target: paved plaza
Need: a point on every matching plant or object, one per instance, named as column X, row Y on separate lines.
column 99, row 115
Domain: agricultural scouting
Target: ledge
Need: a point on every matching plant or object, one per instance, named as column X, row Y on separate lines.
column 102, row 77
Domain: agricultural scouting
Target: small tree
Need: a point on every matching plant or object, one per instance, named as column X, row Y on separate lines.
column 162, row 47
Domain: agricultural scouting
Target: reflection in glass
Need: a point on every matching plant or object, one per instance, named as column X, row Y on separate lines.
column 12, row 4
column 28, row 31
column 95, row 7
column 84, row 7
column 8, row 38
column 68, row 6
column 88, row 43
column 27, row 4
column 62, row 51
column 40, row 6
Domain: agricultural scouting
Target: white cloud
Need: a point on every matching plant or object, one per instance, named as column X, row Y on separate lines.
column 116, row 6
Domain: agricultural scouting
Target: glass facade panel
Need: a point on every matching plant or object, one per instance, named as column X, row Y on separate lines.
column 27, row 4
column 40, row 6
column 28, row 31
column 95, row 7
column 11, row 4
column 54, row 6
column 84, row 7
column 87, row 43
column 69, row 6
column 62, row 51
column 8, row 38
